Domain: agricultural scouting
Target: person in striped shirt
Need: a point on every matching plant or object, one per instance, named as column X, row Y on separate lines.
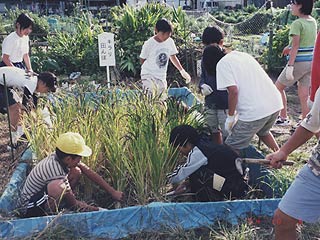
column 49, row 186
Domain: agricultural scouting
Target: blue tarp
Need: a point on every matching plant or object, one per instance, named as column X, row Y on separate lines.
column 122, row 222
column 10, row 194
column 114, row 224
column 181, row 94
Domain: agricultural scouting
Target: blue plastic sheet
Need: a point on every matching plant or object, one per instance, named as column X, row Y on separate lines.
column 156, row 216
column 9, row 197
column 183, row 94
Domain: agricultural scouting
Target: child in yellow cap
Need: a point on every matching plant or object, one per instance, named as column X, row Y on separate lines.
column 52, row 180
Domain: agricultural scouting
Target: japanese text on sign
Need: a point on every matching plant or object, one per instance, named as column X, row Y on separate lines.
column 106, row 49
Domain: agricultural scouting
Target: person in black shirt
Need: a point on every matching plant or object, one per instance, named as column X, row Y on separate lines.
column 210, row 167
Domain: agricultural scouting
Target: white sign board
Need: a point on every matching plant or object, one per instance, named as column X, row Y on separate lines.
column 106, row 49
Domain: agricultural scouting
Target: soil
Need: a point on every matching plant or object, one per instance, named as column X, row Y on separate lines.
column 6, row 168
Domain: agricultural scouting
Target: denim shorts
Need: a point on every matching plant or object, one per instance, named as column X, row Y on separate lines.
column 302, row 199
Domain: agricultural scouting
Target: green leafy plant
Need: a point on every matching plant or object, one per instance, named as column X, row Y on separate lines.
column 77, row 50
column 273, row 56
column 40, row 28
column 128, row 20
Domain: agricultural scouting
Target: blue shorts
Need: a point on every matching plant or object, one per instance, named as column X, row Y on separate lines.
column 302, row 199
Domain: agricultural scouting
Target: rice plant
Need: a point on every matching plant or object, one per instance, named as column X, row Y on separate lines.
column 127, row 131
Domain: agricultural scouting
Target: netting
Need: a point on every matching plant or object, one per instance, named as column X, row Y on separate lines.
column 251, row 34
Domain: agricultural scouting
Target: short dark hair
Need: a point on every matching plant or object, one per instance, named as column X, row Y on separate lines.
column 212, row 54
column 212, row 34
column 49, row 79
column 182, row 134
column 61, row 155
column 163, row 25
column 24, row 21
column 306, row 7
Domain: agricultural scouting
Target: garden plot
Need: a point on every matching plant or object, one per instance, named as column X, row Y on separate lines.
column 146, row 119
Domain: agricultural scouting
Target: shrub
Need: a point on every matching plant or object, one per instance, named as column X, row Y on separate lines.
column 76, row 51
column 272, row 57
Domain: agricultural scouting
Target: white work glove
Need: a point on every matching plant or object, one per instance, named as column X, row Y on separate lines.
column 185, row 75
column 206, row 89
column 289, row 73
column 102, row 209
column 230, row 122
column 309, row 103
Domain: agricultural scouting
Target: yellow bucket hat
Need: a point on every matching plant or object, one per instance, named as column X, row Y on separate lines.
column 73, row 143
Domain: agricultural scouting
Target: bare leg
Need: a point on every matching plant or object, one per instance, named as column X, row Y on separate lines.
column 56, row 190
column 281, row 87
column 14, row 113
column 303, row 92
column 270, row 141
column 217, row 137
column 285, row 226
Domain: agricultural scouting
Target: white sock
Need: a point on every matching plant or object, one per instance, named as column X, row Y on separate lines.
column 19, row 131
column 14, row 136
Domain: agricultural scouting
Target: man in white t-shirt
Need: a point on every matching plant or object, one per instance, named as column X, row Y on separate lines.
column 254, row 101
column 154, row 57
column 21, row 88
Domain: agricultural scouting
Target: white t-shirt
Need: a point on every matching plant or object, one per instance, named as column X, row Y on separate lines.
column 17, row 78
column 15, row 47
column 312, row 123
column 258, row 97
column 157, row 55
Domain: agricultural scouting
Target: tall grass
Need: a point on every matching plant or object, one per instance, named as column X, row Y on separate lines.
column 128, row 133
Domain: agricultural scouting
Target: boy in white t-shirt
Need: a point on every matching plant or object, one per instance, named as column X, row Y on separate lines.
column 253, row 100
column 154, row 57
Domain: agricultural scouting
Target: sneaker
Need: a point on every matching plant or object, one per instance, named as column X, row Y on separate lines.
column 282, row 121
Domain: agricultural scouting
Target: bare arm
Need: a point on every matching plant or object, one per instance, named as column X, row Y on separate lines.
column 27, row 62
column 232, row 99
column 7, row 61
column 79, row 205
column 300, row 136
column 93, row 176
column 294, row 49
column 175, row 61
